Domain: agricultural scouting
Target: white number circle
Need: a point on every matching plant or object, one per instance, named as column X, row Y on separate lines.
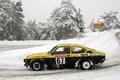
column 60, row 60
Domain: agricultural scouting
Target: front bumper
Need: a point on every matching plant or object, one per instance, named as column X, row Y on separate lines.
column 26, row 64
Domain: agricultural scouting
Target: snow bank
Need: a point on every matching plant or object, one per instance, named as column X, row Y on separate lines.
column 29, row 42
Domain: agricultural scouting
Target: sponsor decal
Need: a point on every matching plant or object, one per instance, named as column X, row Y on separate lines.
column 95, row 54
column 83, row 55
column 91, row 54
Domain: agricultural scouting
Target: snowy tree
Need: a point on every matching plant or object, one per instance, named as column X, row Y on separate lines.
column 66, row 22
column 5, row 18
column 11, row 20
column 91, row 26
column 109, row 21
column 17, row 21
column 33, row 30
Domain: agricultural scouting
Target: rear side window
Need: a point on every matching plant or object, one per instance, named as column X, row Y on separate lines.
column 89, row 52
column 78, row 50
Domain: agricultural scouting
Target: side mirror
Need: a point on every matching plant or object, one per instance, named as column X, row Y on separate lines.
column 52, row 53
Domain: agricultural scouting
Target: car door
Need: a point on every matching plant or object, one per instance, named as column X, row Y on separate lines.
column 76, row 52
column 60, row 55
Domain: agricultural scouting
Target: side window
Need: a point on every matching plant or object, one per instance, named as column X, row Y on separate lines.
column 62, row 50
column 89, row 52
column 78, row 50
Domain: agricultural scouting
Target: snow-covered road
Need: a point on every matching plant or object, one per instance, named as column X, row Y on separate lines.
column 11, row 61
column 111, row 73
column 12, row 45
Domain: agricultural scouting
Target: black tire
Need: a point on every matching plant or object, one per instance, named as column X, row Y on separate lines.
column 85, row 65
column 36, row 65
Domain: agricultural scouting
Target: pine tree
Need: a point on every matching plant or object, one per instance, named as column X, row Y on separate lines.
column 66, row 21
column 109, row 21
column 5, row 18
column 17, row 21
column 91, row 26
column 11, row 20
column 33, row 30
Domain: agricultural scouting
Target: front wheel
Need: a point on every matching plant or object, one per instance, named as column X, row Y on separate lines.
column 85, row 65
column 36, row 66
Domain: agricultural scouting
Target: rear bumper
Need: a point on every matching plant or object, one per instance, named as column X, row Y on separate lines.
column 102, row 60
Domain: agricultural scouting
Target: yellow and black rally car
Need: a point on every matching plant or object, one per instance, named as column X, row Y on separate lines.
column 65, row 56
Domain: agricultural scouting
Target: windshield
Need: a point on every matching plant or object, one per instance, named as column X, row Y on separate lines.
column 51, row 49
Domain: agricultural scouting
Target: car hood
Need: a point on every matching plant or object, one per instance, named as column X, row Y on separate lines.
column 37, row 55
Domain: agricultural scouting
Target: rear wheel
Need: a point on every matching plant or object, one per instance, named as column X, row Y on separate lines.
column 36, row 66
column 85, row 65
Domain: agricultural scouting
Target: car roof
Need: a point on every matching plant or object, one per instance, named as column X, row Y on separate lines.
column 72, row 44
column 69, row 44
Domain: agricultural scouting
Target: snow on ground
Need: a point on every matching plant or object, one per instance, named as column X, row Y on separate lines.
column 105, row 41
column 111, row 73
column 29, row 42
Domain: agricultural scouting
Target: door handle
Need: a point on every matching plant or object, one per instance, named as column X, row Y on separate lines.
column 68, row 55
column 43, row 56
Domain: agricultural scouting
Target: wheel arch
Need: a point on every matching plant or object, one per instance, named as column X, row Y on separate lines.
column 39, row 60
column 90, row 60
column 36, row 60
column 82, row 60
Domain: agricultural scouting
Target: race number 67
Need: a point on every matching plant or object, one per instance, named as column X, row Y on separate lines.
column 60, row 60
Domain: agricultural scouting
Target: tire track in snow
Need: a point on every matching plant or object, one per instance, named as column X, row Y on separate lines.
column 38, row 73
column 28, row 72
column 107, row 66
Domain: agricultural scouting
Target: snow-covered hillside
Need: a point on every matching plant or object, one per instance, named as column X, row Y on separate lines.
column 105, row 41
